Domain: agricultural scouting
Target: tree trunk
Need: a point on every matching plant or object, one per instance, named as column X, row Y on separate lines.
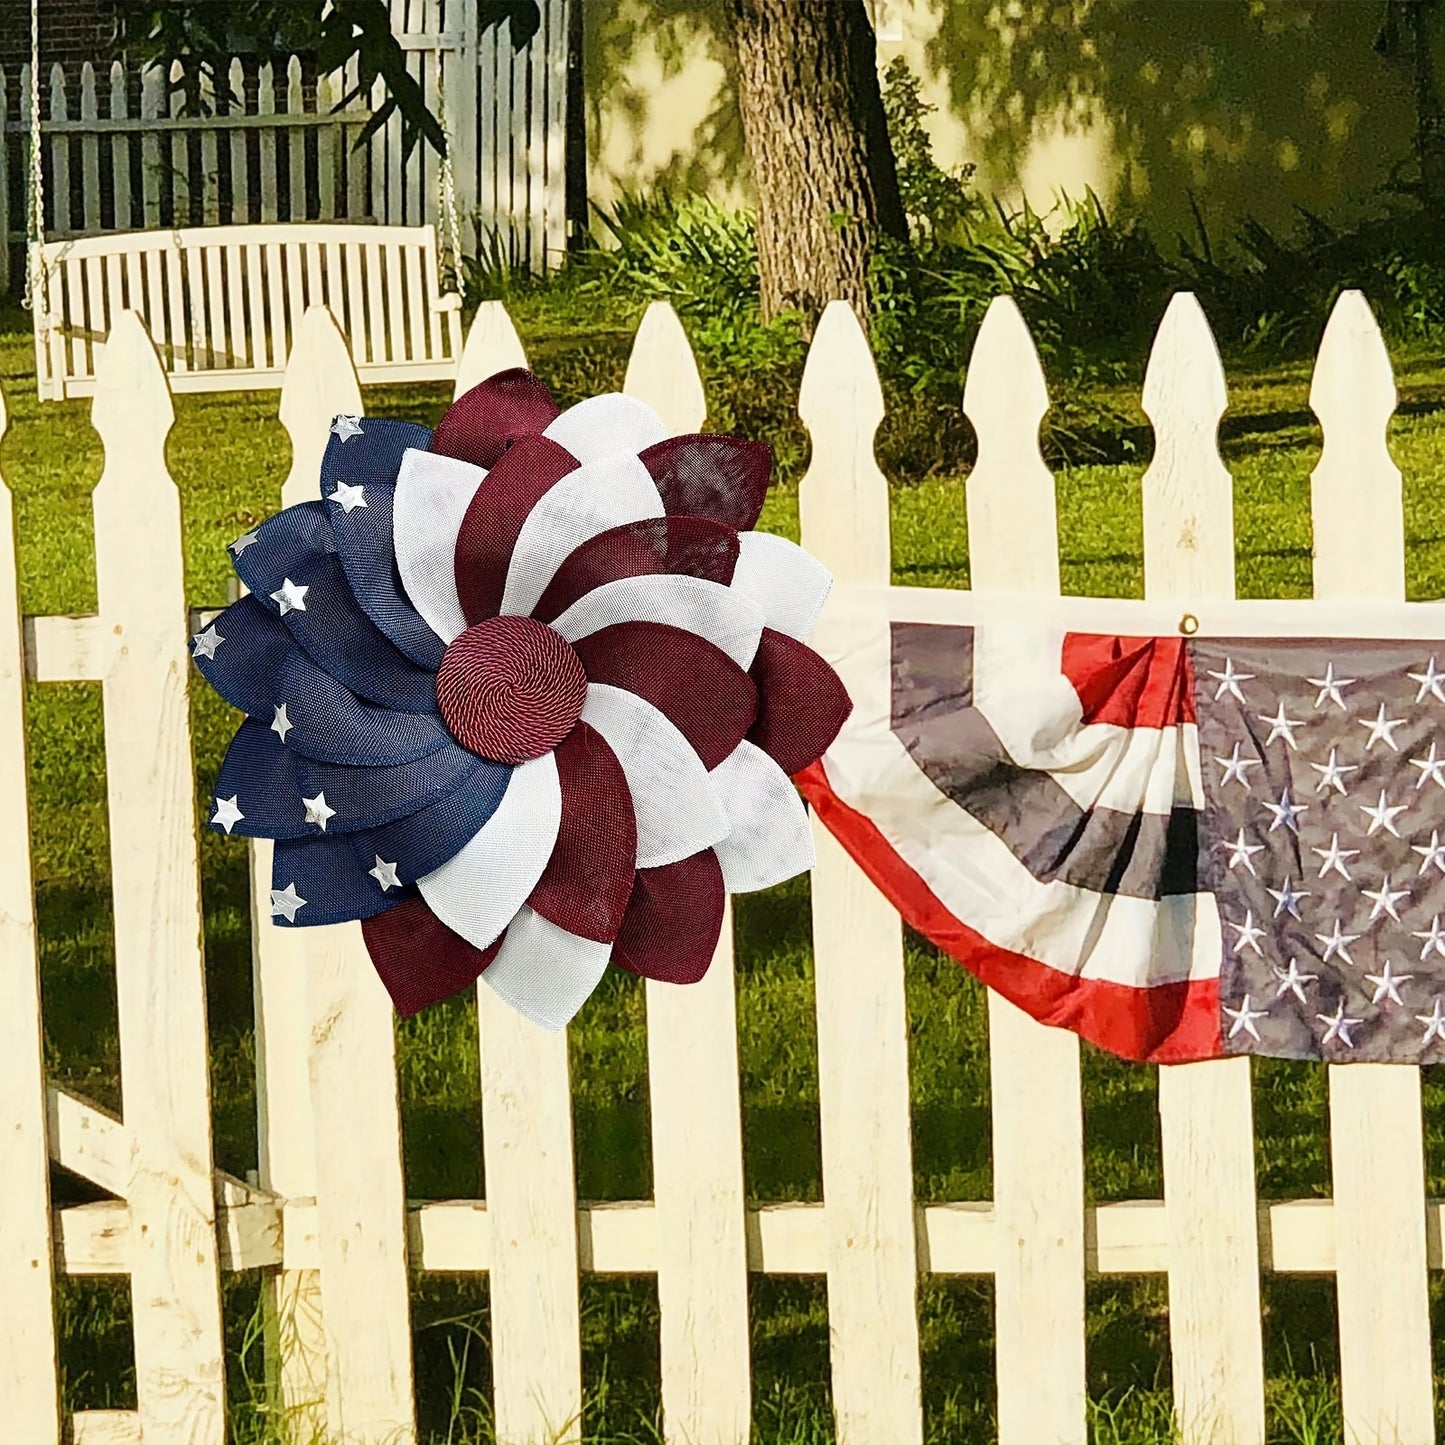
column 823, row 167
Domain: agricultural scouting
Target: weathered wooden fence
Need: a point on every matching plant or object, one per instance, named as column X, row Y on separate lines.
column 328, row 1223
column 124, row 151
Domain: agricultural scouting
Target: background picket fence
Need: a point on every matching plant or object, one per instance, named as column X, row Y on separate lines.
column 328, row 1223
column 121, row 153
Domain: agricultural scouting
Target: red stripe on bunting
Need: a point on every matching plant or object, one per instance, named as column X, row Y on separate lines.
column 1131, row 682
column 1167, row 1024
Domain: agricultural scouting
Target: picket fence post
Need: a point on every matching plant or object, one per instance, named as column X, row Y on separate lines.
column 1206, row 1120
column 1376, row 1129
column 29, row 1357
column 1037, row 1103
column 694, row 1086
column 350, row 1051
column 530, row 1178
column 160, row 972
column 863, row 1090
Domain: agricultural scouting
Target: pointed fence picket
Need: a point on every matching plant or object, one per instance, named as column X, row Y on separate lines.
column 692, row 1052
column 1377, row 1145
column 350, row 1053
column 160, row 972
column 1038, row 1153
column 858, row 946
column 327, row 1222
column 1205, row 1117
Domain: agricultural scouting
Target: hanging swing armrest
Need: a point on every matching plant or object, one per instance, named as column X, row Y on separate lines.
column 449, row 301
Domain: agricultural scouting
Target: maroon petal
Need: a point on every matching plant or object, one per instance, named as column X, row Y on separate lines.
column 694, row 682
column 494, row 519
column 672, row 924
column 688, row 546
column 802, row 702
column 482, row 423
column 420, row 960
column 708, row 475
column 588, row 880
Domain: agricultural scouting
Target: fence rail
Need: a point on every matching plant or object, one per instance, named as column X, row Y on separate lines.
column 330, row 1227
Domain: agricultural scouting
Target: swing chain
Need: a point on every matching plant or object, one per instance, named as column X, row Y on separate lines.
column 451, row 238
column 36, row 272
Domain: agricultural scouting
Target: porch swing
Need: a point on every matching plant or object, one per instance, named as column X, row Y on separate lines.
column 223, row 303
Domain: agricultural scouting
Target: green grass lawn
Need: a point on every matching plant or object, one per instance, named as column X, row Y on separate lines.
column 229, row 456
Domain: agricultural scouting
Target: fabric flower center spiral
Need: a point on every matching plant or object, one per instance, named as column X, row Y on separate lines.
column 510, row 689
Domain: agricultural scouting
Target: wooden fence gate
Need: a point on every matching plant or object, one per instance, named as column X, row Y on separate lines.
column 329, row 1224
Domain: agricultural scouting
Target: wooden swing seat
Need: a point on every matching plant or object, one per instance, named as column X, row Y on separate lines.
column 223, row 303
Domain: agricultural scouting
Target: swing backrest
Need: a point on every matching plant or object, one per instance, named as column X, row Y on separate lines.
column 222, row 303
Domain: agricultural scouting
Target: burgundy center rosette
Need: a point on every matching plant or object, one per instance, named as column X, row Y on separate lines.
column 524, row 695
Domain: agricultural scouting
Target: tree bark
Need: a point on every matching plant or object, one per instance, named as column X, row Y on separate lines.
column 823, row 167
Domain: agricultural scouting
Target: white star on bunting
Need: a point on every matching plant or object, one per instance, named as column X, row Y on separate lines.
column 1382, row 815
column 227, row 813
column 1434, row 1022
column 1235, row 769
column 246, row 539
column 1286, row 900
column 289, row 597
column 317, row 812
column 1249, row 933
column 1431, row 853
column 1434, row 939
column 1242, row 852
column 347, row 497
column 1432, row 770
column 1430, row 681
column 1330, row 685
column 1385, row 899
column 385, row 874
column 1278, row 724
column 1286, row 813
column 1337, row 943
column 1334, row 857
column 1381, row 729
column 286, row 902
column 346, row 427
column 1229, row 681
column 1387, row 984
column 1332, row 774
column 281, row 724
column 1339, row 1026
column 207, row 642
column 1244, row 1018
column 1291, row 980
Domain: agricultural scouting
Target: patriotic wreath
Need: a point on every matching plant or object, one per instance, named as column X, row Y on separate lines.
column 524, row 695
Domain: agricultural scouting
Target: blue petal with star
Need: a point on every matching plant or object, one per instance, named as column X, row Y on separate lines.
column 294, row 567
column 261, row 669
column 363, row 533
column 422, row 841
column 369, row 797
column 326, row 872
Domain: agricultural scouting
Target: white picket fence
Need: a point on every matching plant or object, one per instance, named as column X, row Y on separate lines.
column 121, row 153
column 329, row 1225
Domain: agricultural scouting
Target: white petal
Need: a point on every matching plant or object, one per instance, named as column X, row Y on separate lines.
column 678, row 813
column 789, row 584
column 604, row 425
column 544, row 972
column 433, row 493
column 478, row 892
column 607, row 492
column 728, row 619
column 770, row 839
